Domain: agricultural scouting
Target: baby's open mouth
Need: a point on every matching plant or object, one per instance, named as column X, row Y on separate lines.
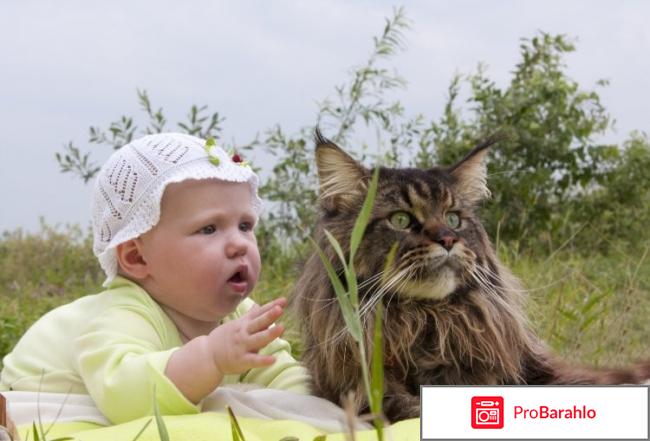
column 239, row 280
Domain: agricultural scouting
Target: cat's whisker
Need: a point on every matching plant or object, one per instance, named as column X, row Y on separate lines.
column 399, row 287
column 401, row 277
column 376, row 296
column 326, row 304
column 486, row 274
column 371, row 279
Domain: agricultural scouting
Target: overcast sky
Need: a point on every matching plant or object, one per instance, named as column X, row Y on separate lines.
column 67, row 65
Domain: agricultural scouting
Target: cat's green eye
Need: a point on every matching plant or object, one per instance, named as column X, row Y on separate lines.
column 453, row 220
column 401, row 220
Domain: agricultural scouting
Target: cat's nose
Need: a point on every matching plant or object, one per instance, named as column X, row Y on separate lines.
column 444, row 237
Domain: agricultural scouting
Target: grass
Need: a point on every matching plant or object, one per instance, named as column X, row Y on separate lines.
column 592, row 309
column 41, row 271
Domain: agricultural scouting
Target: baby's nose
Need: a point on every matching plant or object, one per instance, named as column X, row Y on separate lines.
column 236, row 246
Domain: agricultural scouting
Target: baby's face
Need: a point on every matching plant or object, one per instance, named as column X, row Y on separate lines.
column 202, row 255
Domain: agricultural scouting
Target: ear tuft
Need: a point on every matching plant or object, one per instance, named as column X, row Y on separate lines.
column 342, row 179
column 471, row 173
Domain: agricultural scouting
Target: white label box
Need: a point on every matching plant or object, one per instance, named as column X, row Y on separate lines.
column 534, row 412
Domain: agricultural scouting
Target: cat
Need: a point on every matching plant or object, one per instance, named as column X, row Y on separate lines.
column 453, row 313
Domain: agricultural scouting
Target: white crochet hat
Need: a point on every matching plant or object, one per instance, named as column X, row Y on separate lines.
column 130, row 185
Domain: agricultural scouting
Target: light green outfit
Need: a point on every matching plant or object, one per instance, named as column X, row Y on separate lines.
column 115, row 346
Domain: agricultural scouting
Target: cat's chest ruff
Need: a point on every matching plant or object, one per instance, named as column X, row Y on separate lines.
column 433, row 289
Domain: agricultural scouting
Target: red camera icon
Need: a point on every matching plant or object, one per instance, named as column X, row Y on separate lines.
column 487, row 412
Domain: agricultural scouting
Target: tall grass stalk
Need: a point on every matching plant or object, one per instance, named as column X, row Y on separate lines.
column 348, row 299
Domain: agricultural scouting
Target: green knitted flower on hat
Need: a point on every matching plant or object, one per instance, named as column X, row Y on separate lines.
column 209, row 143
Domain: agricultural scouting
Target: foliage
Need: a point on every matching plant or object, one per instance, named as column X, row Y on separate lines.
column 548, row 161
column 199, row 123
column 615, row 211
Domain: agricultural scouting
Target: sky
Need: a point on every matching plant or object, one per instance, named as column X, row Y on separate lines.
column 72, row 64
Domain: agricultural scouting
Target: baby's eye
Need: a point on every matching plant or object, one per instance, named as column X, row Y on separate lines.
column 246, row 226
column 208, row 229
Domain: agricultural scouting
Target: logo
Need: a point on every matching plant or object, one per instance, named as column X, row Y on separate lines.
column 487, row 412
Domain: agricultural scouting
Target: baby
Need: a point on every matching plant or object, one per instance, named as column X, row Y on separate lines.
column 173, row 223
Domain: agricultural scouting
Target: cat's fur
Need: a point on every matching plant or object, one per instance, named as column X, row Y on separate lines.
column 451, row 317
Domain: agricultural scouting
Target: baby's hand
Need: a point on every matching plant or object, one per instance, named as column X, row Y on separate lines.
column 235, row 344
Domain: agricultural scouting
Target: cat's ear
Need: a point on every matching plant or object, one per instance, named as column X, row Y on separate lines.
column 471, row 173
column 342, row 179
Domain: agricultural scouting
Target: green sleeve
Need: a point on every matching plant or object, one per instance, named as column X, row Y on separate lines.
column 121, row 358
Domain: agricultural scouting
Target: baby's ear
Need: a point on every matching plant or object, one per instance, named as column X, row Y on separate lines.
column 342, row 179
column 130, row 260
column 471, row 174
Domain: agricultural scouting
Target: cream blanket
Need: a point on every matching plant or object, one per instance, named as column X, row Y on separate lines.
column 270, row 404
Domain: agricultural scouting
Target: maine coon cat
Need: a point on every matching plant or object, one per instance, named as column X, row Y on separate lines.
column 453, row 313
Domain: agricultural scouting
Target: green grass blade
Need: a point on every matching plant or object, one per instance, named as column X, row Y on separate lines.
column 377, row 380
column 142, row 431
column 335, row 244
column 35, row 431
column 353, row 289
column 362, row 220
column 237, row 434
column 377, row 376
column 351, row 319
column 350, row 274
column 162, row 429
column 389, row 261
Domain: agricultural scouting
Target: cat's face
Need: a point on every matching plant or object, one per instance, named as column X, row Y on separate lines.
column 429, row 214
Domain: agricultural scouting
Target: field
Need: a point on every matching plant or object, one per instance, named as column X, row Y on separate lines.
column 592, row 309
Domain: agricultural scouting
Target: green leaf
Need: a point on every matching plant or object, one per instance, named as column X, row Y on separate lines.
column 162, row 429
column 35, row 431
column 362, row 220
column 353, row 290
column 593, row 301
column 377, row 378
column 351, row 319
column 337, row 247
column 350, row 274
column 390, row 259
column 142, row 430
column 237, row 434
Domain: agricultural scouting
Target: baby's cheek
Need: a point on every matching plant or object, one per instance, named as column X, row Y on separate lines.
column 255, row 264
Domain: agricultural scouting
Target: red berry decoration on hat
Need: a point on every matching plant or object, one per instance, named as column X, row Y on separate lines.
column 237, row 159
